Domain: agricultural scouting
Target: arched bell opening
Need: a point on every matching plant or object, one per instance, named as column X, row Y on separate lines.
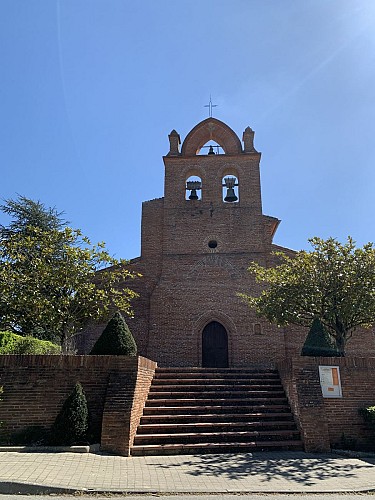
column 214, row 346
column 207, row 130
column 210, row 148
column 193, row 188
column 230, row 189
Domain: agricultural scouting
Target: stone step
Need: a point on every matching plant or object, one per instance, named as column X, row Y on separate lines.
column 200, row 448
column 214, row 401
column 218, row 409
column 216, row 417
column 177, row 428
column 195, row 410
column 197, row 369
column 212, row 394
column 216, row 381
column 215, row 375
column 216, row 437
column 215, row 387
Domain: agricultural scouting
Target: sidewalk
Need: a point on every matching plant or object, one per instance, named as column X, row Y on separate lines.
column 241, row 473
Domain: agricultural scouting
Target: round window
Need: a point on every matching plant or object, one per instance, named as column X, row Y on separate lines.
column 212, row 244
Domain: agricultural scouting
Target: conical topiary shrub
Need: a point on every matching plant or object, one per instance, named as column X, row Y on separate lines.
column 116, row 339
column 318, row 342
column 71, row 423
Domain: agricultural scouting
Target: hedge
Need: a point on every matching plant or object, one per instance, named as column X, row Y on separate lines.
column 11, row 343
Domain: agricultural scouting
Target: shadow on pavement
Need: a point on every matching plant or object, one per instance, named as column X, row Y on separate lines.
column 369, row 460
column 18, row 488
column 304, row 469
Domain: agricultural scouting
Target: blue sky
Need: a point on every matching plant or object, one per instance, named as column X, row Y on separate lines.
column 90, row 90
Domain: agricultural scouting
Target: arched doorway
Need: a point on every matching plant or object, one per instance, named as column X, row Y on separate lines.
column 214, row 346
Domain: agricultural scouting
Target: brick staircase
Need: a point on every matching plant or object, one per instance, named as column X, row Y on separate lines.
column 209, row 410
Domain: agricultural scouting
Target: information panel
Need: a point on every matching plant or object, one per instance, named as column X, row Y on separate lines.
column 330, row 381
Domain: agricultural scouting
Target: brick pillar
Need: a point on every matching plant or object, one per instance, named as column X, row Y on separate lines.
column 312, row 413
column 127, row 392
column 248, row 140
column 300, row 378
column 174, row 143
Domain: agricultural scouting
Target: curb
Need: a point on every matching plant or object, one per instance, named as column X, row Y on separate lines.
column 15, row 488
column 93, row 448
column 353, row 454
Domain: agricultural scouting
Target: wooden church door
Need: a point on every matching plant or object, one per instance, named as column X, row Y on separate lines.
column 214, row 346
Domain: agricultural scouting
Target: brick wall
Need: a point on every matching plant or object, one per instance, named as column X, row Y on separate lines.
column 125, row 399
column 116, row 387
column 324, row 421
column 186, row 284
column 301, row 383
column 35, row 388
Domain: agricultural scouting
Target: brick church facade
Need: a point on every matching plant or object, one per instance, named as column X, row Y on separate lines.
column 197, row 243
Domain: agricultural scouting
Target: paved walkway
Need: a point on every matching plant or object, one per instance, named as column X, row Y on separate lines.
column 240, row 473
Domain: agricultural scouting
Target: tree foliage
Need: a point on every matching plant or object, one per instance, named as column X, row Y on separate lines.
column 27, row 213
column 368, row 415
column 116, row 339
column 53, row 282
column 334, row 282
column 71, row 423
column 11, row 343
column 318, row 342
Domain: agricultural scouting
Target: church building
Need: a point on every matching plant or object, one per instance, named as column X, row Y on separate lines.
column 211, row 377
column 198, row 241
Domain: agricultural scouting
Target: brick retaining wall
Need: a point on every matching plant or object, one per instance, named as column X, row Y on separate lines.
column 35, row 387
column 324, row 422
column 116, row 388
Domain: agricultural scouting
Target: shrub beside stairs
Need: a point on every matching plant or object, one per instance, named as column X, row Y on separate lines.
column 209, row 410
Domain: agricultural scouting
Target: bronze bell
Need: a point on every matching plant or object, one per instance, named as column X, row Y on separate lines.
column 211, row 151
column 193, row 195
column 231, row 195
column 193, row 187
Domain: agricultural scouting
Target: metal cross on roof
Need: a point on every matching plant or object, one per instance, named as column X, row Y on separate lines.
column 210, row 106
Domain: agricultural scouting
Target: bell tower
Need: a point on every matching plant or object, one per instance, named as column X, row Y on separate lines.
column 197, row 243
column 215, row 195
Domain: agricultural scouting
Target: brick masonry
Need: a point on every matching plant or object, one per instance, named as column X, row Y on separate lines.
column 186, row 284
column 116, row 387
column 326, row 422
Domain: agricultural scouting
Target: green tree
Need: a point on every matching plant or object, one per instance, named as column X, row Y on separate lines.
column 71, row 423
column 318, row 342
column 116, row 339
column 334, row 282
column 26, row 212
column 55, row 282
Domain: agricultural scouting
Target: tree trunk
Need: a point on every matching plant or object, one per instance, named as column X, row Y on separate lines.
column 64, row 341
column 340, row 337
column 340, row 344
